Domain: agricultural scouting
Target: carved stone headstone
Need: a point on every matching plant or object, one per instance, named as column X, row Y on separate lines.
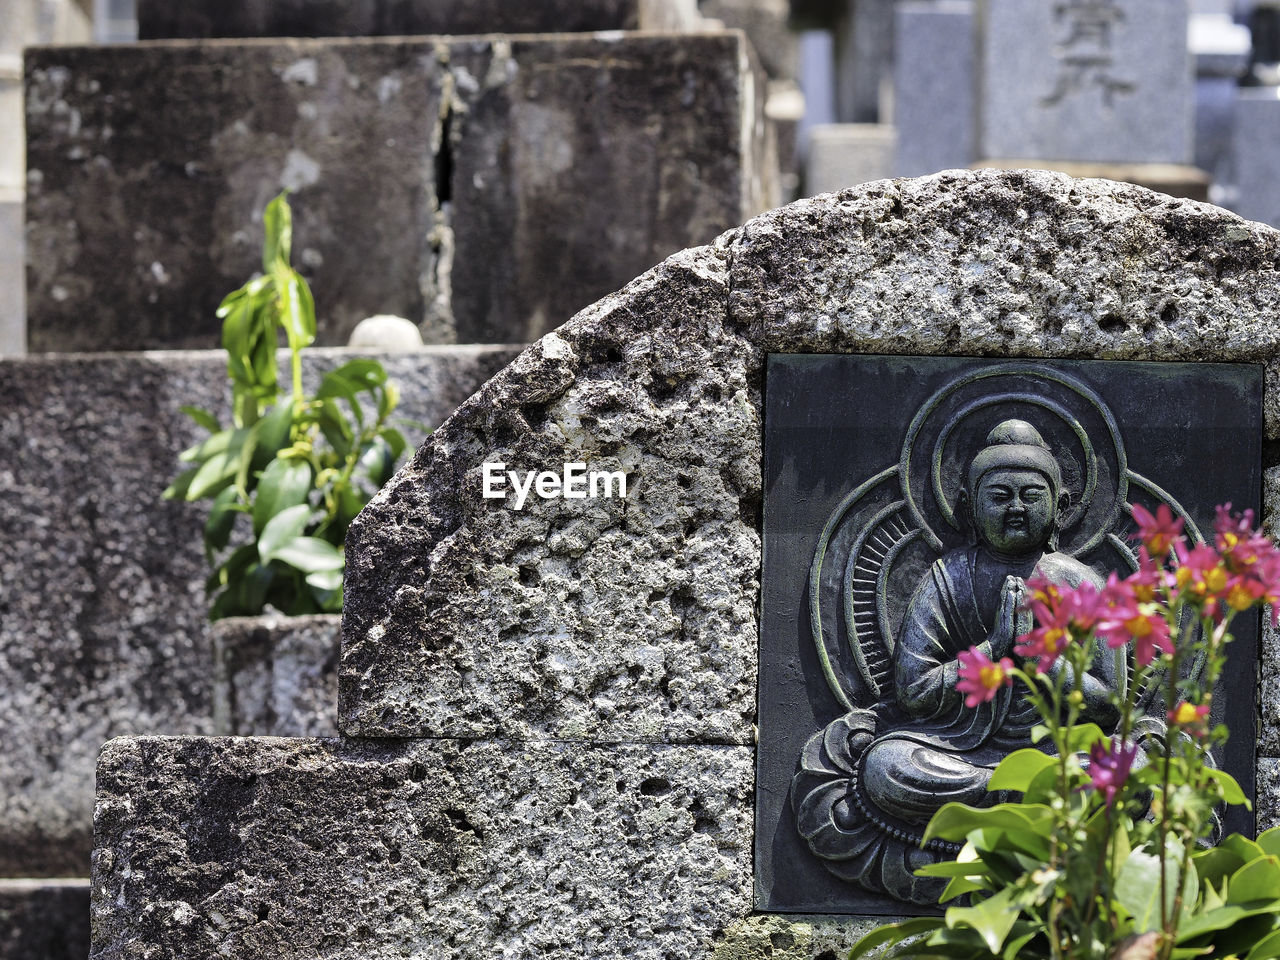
column 576, row 679
column 910, row 532
column 1087, row 80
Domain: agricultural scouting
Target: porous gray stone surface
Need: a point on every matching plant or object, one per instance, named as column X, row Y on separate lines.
column 198, row 19
column 44, row 919
column 1267, row 793
column 266, row 848
column 276, row 676
column 636, row 619
column 102, row 605
column 481, row 176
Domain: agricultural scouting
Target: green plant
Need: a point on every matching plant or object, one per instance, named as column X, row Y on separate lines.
column 1109, row 853
column 291, row 472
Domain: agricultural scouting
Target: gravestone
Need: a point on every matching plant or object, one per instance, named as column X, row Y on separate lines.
column 196, row 19
column 843, row 154
column 934, row 78
column 548, row 712
column 468, row 170
column 1085, row 80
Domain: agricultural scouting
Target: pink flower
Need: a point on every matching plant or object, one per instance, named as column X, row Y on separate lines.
column 1109, row 767
column 1159, row 533
column 1130, row 619
column 1202, row 578
column 981, row 677
column 1061, row 615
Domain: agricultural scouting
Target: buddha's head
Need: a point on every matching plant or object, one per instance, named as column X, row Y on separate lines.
column 1014, row 491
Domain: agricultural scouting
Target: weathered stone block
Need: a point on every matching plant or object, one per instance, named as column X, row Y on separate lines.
column 287, row 848
column 13, row 321
column 44, row 919
column 1079, row 81
column 103, row 630
column 196, row 19
column 467, row 171
column 766, row 23
column 276, row 676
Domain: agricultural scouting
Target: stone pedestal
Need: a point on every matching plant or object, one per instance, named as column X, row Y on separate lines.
column 163, row 19
column 469, row 185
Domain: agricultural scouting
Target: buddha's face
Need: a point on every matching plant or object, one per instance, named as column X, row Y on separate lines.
column 1014, row 511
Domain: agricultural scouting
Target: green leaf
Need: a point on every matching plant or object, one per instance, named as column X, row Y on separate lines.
column 203, row 418
column 1083, row 736
column 275, row 428
column 894, row 933
column 1247, row 850
column 218, row 443
column 394, row 440
column 222, row 519
column 1216, row 863
column 993, row 918
column 1269, row 841
column 310, row 554
column 1137, row 885
column 214, row 474
column 1018, row 769
column 1256, row 880
column 277, row 226
column 955, row 820
column 283, row 484
column 283, row 528
column 326, row 580
column 1266, row 949
column 298, row 314
column 181, row 484
column 1231, row 791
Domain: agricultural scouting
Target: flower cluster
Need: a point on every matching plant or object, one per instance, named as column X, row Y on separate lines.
column 981, row 677
column 1241, row 570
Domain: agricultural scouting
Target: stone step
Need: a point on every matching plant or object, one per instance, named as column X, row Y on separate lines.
column 103, row 630
column 44, row 919
column 274, row 849
column 485, row 188
column 201, row 19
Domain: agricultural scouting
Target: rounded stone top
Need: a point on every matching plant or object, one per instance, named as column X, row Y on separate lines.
column 637, row 618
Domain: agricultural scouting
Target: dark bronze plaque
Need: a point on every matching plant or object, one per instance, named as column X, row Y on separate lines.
column 880, row 565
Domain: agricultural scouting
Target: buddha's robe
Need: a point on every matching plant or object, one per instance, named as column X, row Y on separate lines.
column 947, row 751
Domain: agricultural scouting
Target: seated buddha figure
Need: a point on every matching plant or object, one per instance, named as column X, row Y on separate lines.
column 1013, row 503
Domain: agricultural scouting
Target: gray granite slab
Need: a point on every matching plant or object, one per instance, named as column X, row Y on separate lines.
column 1254, row 128
column 934, row 85
column 1081, row 80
